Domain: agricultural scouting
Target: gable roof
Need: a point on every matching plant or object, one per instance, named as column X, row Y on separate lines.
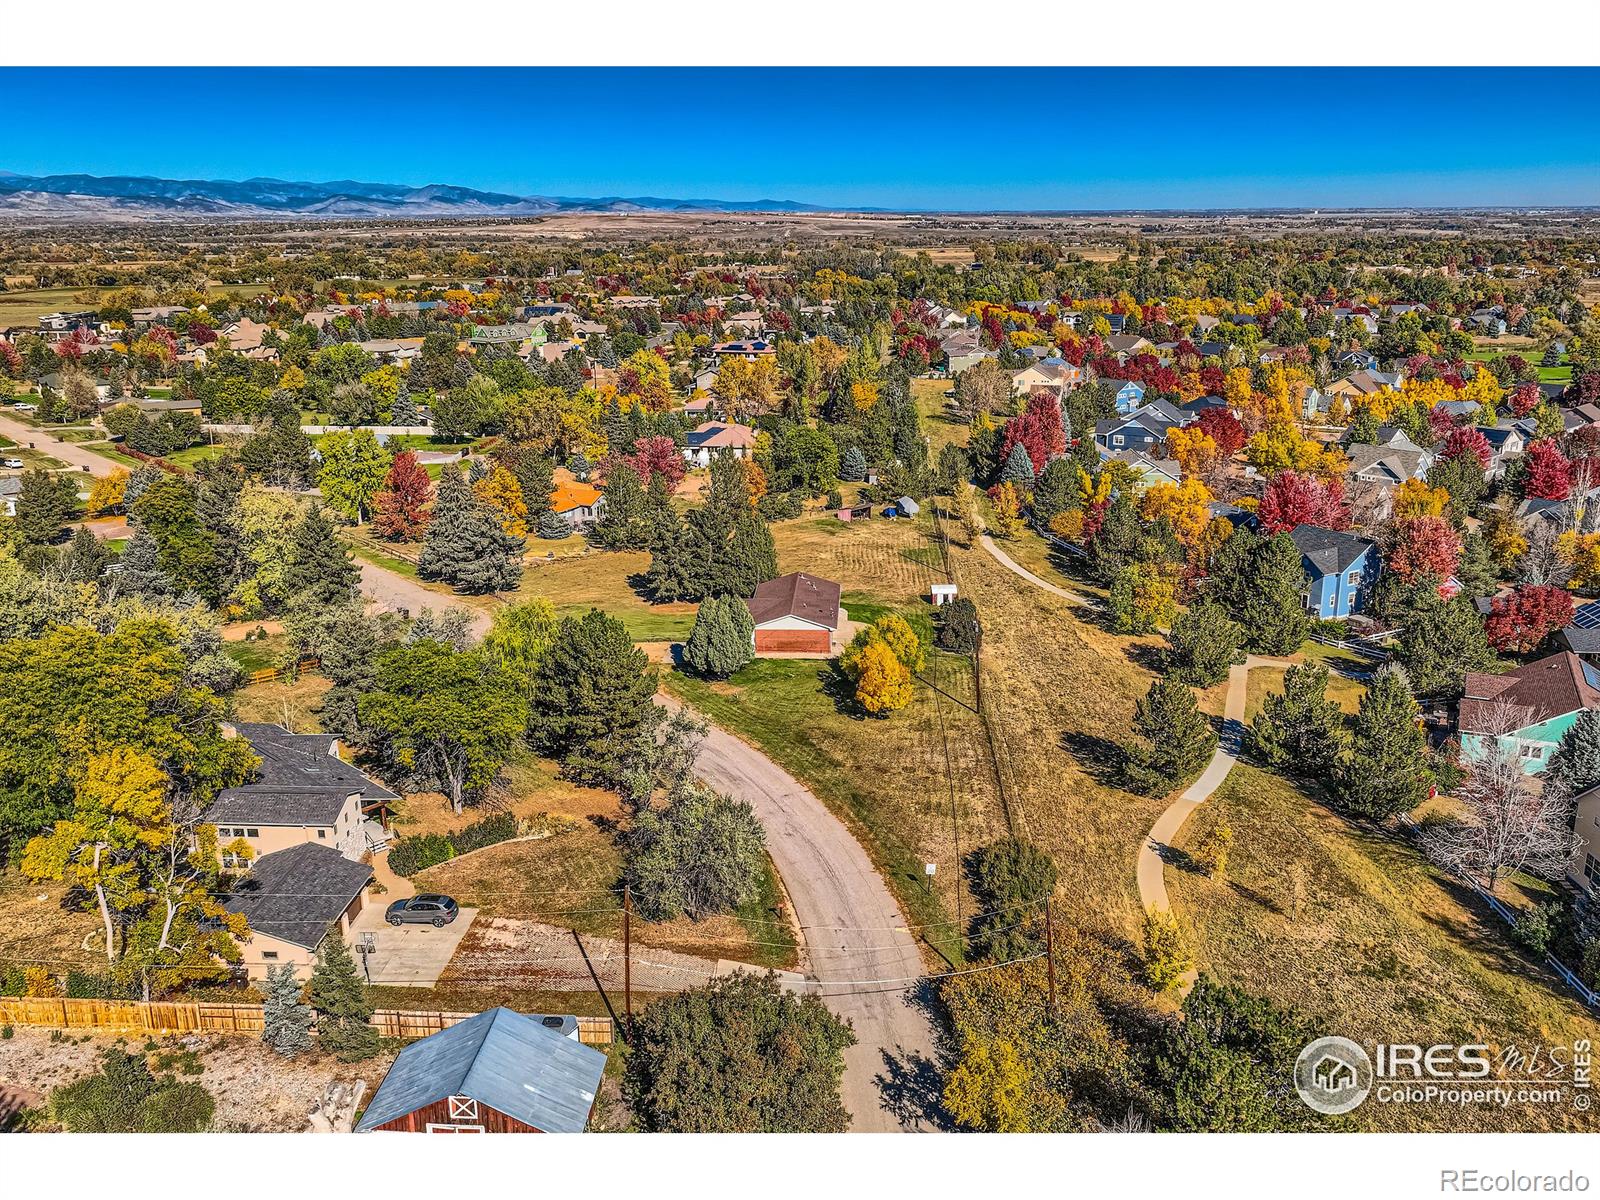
column 1328, row 551
column 796, row 595
column 1582, row 636
column 505, row 1059
column 716, row 434
column 1398, row 463
column 1550, row 687
column 573, row 494
column 296, row 894
column 300, row 781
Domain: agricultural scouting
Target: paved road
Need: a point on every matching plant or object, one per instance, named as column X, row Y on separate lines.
column 1016, row 568
column 854, row 931
column 71, row 453
column 392, row 591
column 1158, row 845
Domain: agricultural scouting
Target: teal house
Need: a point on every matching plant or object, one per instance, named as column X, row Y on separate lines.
column 1526, row 710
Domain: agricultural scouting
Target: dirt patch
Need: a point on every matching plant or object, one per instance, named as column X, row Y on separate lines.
column 256, row 1091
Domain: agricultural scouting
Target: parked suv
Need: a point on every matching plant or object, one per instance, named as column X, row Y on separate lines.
column 427, row 909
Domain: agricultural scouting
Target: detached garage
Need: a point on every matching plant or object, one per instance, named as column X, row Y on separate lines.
column 796, row 614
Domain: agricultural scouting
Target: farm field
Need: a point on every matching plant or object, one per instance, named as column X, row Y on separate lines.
column 23, row 307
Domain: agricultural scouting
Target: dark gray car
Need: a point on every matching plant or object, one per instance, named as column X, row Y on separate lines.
column 426, row 909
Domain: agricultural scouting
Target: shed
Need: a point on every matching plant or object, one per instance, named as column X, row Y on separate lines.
column 943, row 593
column 795, row 614
column 497, row 1072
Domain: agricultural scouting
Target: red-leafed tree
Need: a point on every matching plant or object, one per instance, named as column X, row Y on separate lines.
column 1520, row 623
column 1464, row 439
column 1223, row 428
column 654, row 456
column 200, row 333
column 10, row 359
column 1037, row 430
column 1423, row 546
column 400, row 509
column 1293, row 499
column 1549, row 474
column 1525, row 399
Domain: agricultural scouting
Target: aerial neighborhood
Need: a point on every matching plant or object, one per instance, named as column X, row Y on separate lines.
column 471, row 682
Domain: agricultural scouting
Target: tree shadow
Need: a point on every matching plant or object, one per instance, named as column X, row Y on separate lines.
column 1101, row 757
column 836, row 686
column 1178, row 859
column 911, row 1089
column 1144, row 654
column 1250, row 893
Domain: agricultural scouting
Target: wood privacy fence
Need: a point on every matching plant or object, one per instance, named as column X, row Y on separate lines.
column 169, row 1017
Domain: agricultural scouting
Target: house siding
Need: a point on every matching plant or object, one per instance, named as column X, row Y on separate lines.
column 1531, row 746
column 438, row 1114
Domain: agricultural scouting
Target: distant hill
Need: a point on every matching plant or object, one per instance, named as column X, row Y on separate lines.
column 88, row 197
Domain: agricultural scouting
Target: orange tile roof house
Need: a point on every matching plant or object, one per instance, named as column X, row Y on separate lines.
column 716, row 438
column 796, row 614
column 577, row 503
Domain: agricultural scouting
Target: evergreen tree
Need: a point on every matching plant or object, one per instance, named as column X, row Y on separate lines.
column 1172, row 741
column 1261, row 583
column 137, row 571
column 286, row 1018
column 1204, row 643
column 321, row 572
column 1443, row 640
column 186, row 550
column 1299, row 729
column 84, row 559
column 1575, row 765
column 674, row 560
column 595, row 690
column 723, row 638
column 466, row 546
column 341, row 1003
column 734, row 547
column 625, row 523
column 1011, row 880
column 1387, row 772
column 44, row 506
column 404, row 412
column 853, row 465
column 579, row 465
column 551, row 527
column 1476, row 571
column 1115, row 544
column 1055, row 491
column 1018, row 469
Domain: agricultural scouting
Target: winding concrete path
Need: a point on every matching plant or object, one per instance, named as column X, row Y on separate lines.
column 395, row 592
column 72, row 453
column 1158, row 844
column 1016, row 568
column 863, row 960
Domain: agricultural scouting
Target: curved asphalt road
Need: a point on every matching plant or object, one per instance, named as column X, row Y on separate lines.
column 71, row 453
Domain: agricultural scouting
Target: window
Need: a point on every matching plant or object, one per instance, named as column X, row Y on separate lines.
column 1354, row 577
column 272, row 954
column 323, row 834
column 1591, row 868
column 252, row 833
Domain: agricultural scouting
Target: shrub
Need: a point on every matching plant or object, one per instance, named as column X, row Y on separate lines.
column 1011, row 879
column 499, row 827
column 1537, row 927
column 955, row 626
column 1166, row 958
column 835, row 499
column 414, row 854
column 12, row 982
column 178, row 1108
column 6, row 1033
column 124, row 1097
column 87, row 985
column 781, row 507
column 722, row 640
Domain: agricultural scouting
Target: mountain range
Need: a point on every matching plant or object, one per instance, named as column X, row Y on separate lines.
column 92, row 197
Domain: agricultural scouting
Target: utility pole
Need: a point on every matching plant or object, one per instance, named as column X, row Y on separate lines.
column 1050, row 956
column 627, row 961
column 977, row 663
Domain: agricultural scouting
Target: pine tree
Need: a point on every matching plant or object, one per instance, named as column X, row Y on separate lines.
column 1575, row 765
column 1115, row 544
column 1443, row 640
column 1299, row 730
column 466, row 545
column 1387, row 772
column 321, row 573
column 1018, row 469
column 579, row 465
column 723, row 638
column 1261, row 583
column 404, row 411
column 137, row 571
column 552, row 527
column 595, row 688
column 1204, row 643
column 1172, row 741
column 341, row 1003
column 674, row 572
column 853, row 465
column 286, row 1018
column 624, row 525
column 1055, row 491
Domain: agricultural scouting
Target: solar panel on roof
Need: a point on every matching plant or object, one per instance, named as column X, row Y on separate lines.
column 1588, row 616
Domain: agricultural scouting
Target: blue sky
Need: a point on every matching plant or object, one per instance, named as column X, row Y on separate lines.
column 982, row 138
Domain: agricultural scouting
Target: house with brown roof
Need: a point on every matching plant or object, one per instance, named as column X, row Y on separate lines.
column 716, row 438
column 1527, row 710
column 796, row 614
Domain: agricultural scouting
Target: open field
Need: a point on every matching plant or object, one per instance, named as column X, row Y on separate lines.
column 35, row 927
column 943, row 428
column 25, row 307
column 1357, row 930
column 291, row 703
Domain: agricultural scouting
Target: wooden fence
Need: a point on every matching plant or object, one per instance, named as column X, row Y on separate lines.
column 169, row 1017
column 268, row 674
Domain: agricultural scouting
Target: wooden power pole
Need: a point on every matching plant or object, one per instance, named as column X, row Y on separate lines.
column 627, row 961
column 1050, row 956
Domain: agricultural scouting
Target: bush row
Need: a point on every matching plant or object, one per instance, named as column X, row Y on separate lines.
column 414, row 854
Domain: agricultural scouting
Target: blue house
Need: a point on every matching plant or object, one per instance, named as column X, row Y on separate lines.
column 1340, row 570
column 1127, row 394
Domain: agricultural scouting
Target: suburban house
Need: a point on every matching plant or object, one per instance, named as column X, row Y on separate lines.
column 293, row 899
column 716, row 438
column 1584, row 870
column 1147, row 469
column 1505, row 443
column 796, row 614
column 1145, row 429
column 1340, row 569
column 10, row 490
column 1390, row 461
column 1528, row 709
column 1050, row 374
column 152, row 316
column 1125, row 393
column 1582, row 636
column 1365, row 382
column 496, row 1072
column 245, row 336
column 963, row 349
column 577, row 503
column 56, row 381
column 1123, row 345
column 304, row 793
column 747, row 350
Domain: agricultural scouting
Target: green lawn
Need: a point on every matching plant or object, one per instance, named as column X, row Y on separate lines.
column 195, row 455
column 107, row 450
column 257, row 655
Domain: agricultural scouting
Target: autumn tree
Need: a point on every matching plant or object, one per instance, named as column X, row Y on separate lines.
column 1293, row 499
column 500, row 493
column 982, row 388
column 748, row 389
column 400, row 508
column 1423, row 547
column 1521, row 622
column 1548, row 474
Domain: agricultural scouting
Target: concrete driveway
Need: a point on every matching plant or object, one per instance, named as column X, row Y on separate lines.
column 408, row 955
